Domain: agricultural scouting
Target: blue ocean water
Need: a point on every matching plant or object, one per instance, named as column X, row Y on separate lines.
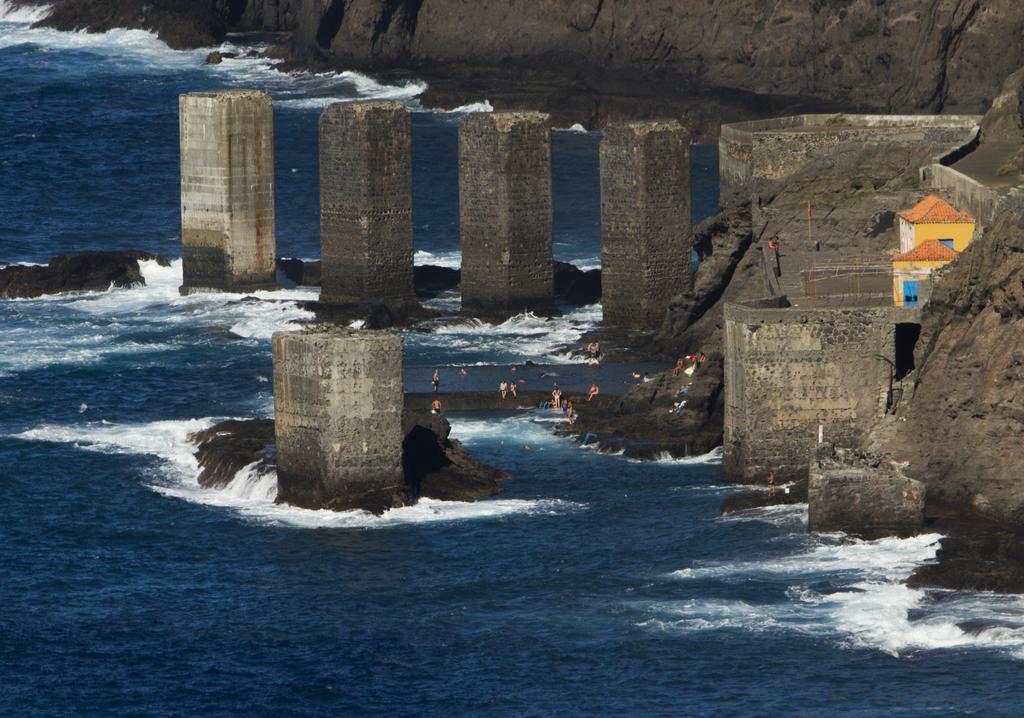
column 594, row 585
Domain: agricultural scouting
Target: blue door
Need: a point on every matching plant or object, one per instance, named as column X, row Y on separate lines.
column 910, row 294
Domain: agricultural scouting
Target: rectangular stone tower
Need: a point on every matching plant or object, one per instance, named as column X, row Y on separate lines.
column 505, row 214
column 338, row 404
column 227, row 191
column 366, row 203
column 645, row 221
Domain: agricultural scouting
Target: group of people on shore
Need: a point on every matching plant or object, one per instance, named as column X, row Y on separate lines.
column 688, row 365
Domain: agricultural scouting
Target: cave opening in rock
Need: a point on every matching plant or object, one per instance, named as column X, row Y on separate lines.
column 330, row 23
column 236, row 8
column 906, row 340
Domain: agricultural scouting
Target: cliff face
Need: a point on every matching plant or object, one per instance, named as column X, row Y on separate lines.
column 885, row 55
column 964, row 424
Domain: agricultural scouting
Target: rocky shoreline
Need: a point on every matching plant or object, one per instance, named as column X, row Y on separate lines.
column 705, row 63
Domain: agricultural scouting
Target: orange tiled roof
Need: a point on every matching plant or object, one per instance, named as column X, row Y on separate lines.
column 935, row 210
column 930, row 251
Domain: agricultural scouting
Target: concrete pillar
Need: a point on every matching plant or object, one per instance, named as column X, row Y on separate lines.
column 505, row 214
column 338, row 404
column 645, row 221
column 227, row 191
column 366, row 203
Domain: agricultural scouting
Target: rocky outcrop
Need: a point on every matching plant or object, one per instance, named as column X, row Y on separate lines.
column 435, row 466
column 703, row 61
column 81, row 272
column 644, row 423
column 865, row 503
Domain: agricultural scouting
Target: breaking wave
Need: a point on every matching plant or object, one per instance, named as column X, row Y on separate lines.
column 251, row 494
column 854, row 592
column 22, row 14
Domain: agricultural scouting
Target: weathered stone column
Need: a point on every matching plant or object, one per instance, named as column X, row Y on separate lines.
column 645, row 221
column 338, row 403
column 505, row 214
column 227, row 191
column 366, row 203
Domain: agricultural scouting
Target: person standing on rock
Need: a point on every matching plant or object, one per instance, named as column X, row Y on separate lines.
column 556, row 397
column 512, row 388
column 436, row 380
column 503, row 388
column 771, row 482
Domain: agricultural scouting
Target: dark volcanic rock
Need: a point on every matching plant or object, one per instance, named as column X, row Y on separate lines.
column 182, row 24
column 435, row 466
column 438, row 467
column 299, row 272
column 431, row 280
column 976, row 553
column 628, row 59
column 575, row 286
column 85, row 271
column 642, row 423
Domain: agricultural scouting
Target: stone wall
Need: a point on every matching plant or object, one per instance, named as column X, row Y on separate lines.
column 967, row 193
column 227, row 191
column 645, row 221
column 338, row 403
column 366, row 244
column 505, row 213
column 754, row 153
column 789, row 370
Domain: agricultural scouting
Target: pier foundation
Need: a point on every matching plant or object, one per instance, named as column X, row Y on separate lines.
column 505, row 214
column 338, row 404
column 645, row 221
column 227, row 191
column 366, row 203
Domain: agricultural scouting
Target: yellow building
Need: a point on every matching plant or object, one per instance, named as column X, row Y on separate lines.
column 932, row 234
column 911, row 272
column 935, row 219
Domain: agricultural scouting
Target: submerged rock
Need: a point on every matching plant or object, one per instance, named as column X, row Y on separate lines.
column 83, row 271
column 435, row 466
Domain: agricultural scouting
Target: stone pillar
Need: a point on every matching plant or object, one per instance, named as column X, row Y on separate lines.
column 227, row 191
column 505, row 214
column 366, row 203
column 645, row 221
column 338, row 403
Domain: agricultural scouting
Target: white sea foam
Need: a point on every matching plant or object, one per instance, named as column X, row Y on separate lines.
column 523, row 337
column 22, row 14
column 778, row 515
column 712, row 457
column 871, row 607
column 251, row 494
column 484, row 106
column 452, row 259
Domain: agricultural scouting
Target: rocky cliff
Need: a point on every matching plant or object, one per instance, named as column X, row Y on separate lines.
column 711, row 60
column 965, row 420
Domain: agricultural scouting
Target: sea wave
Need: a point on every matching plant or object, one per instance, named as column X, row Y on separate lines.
column 252, row 494
column 868, row 605
column 22, row 14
